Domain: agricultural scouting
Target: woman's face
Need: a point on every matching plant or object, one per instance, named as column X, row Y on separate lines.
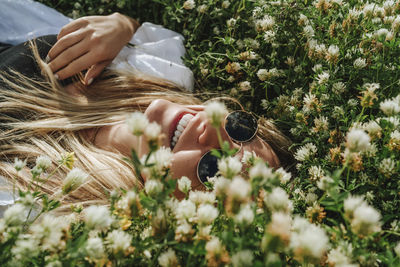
column 198, row 137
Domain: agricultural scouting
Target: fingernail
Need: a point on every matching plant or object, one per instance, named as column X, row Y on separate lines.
column 47, row 60
column 56, row 76
column 90, row 81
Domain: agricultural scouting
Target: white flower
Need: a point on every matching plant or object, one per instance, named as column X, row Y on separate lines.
column 15, row 215
column 262, row 74
column 153, row 187
column 245, row 216
column 19, row 164
column 189, row 4
column 387, row 167
column 118, row 241
column 25, row 248
column 351, row 203
column 336, row 257
column 397, row 249
column 269, row 36
column 366, row 220
column 221, row 184
column 214, row 246
column 357, row 140
column 280, row 225
column 265, row 24
column 308, row 240
column 260, row 170
column 333, row 51
column 202, row 8
column 97, row 217
column 50, row 232
column 202, row 197
column 278, row 200
column 152, row 131
column 360, row 63
column 325, row 183
column 323, row 77
column 137, row 123
column 305, row 152
column 75, row 178
column 242, row 258
column 161, row 159
column 168, row 258
column 303, row 20
column 229, row 166
column 43, row 162
column 245, row 86
column 396, row 24
column 206, row 214
column 231, row 22
column 338, row 88
column 184, row 184
column 316, row 173
column 186, row 210
column 216, row 112
column 94, row 248
column 373, row 128
column 284, row 176
column 308, row 31
column 391, row 106
column 226, row 4
column 239, row 189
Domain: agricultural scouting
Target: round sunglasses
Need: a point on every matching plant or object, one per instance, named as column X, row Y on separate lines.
column 241, row 127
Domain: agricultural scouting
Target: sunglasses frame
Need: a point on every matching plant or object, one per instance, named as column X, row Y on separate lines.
column 233, row 139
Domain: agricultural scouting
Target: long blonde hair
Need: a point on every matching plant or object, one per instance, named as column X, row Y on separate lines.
column 40, row 118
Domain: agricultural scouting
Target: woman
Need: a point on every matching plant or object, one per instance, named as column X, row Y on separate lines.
column 41, row 116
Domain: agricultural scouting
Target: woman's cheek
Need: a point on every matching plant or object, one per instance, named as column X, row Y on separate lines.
column 184, row 163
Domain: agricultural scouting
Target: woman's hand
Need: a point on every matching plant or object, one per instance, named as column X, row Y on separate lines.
column 90, row 43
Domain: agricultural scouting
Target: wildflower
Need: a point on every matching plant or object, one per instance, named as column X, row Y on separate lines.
column 189, row 4
column 242, row 258
column 321, row 124
column 269, row 37
column 323, row 78
column 118, row 241
column 239, row 188
column 360, row 63
column 216, row 113
column 305, row 152
column 373, row 129
column 284, row 176
column 280, row 226
column 332, row 54
column 249, row 156
column 232, row 68
column 220, row 186
column 303, row 20
column 231, row 22
column 137, row 123
column 94, row 248
column 184, row 184
column 186, row 210
column 225, row 4
column 153, row 187
column 396, row 24
column 184, row 231
column 201, row 197
column 366, row 220
column 158, row 222
column 265, row 24
column 350, row 204
column 168, row 258
column 216, row 253
column 308, row 31
column 202, row 9
column 15, row 215
column 161, row 160
column 368, row 95
column 68, row 159
column 391, row 106
column 308, row 241
column 315, row 213
column 387, row 167
column 152, row 131
column 260, row 170
column 43, row 162
column 75, row 178
column 336, row 257
column 316, row 173
column 394, row 142
column 50, row 231
column 97, row 217
column 19, row 164
column 229, row 167
column 397, row 249
column 311, row 102
column 325, row 183
column 245, row 216
column 206, row 214
column 357, row 140
column 278, row 200
column 26, row 247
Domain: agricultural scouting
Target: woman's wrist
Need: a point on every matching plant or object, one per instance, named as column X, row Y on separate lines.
column 129, row 24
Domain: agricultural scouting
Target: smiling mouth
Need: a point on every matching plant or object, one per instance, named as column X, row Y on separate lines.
column 179, row 126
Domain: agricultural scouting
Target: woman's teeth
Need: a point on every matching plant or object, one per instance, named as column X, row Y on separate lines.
column 180, row 128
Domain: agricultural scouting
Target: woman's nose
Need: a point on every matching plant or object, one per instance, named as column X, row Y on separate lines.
column 209, row 137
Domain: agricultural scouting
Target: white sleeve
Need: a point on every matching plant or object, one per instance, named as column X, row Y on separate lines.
column 22, row 20
column 158, row 52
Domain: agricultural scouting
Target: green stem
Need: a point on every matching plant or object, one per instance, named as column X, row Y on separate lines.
column 219, row 136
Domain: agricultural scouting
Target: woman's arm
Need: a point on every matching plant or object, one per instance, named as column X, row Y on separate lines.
column 90, row 43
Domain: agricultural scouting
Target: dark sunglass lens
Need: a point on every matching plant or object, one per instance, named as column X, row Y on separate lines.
column 207, row 167
column 241, row 126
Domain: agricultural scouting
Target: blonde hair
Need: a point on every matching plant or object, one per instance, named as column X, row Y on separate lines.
column 40, row 118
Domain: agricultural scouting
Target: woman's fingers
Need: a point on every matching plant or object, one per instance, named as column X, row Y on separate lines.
column 95, row 71
column 64, row 43
column 72, row 26
column 79, row 64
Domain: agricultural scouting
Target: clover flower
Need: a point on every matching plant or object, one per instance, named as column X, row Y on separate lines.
column 391, row 106
column 43, row 162
column 118, row 241
column 278, row 200
column 360, row 63
column 15, row 215
column 216, row 113
column 265, row 24
column 387, row 167
column 260, row 170
column 206, row 214
column 95, row 248
column 202, row 197
column 137, row 123
column 152, row 131
column 243, row 258
column 168, row 258
column 225, row 4
column 26, row 247
column 338, row 88
column 280, row 226
column 357, row 140
column 75, row 178
column 184, row 184
column 245, row 216
column 186, row 210
column 244, row 86
column 153, row 187
column 336, row 257
column 323, row 78
column 305, row 152
column 19, row 164
column 97, row 217
column 366, row 220
column 229, row 167
column 161, row 160
column 189, row 4
column 397, row 249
